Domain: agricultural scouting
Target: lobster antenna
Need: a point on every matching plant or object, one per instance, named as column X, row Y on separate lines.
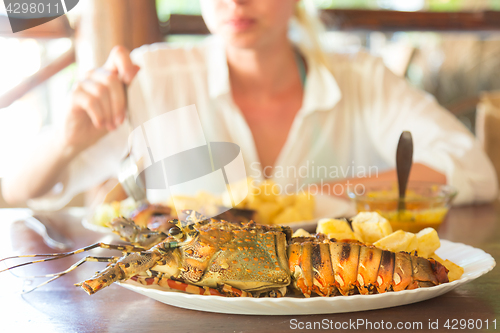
column 32, row 262
column 72, row 267
column 33, row 256
column 123, row 248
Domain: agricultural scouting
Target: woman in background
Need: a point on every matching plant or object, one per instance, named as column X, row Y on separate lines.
column 285, row 103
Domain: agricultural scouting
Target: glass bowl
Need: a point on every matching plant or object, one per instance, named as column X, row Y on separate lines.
column 426, row 204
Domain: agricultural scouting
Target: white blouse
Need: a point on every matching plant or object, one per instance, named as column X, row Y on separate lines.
column 349, row 125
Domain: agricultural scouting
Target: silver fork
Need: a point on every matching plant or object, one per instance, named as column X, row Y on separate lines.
column 128, row 176
column 51, row 236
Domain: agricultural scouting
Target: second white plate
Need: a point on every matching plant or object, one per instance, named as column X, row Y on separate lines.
column 326, row 206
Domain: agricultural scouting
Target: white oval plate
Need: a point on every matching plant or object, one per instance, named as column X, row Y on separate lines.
column 475, row 261
column 88, row 224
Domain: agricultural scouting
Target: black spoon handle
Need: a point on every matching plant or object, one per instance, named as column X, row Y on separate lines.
column 404, row 161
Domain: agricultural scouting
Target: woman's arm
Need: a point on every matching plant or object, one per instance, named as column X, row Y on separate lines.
column 40, row 171
column 391, row 105
column 97, row 107
column 419, row 172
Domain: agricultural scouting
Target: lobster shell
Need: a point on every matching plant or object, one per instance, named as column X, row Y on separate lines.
column 328, row 267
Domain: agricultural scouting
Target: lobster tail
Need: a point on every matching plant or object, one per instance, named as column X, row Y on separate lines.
column 428, row 272
column 440, row 271
column 327, row 268
column 311, row 267
column 385, row 272
column 369, row 259
column 403, row 272
column 323, row 273
column 345, row 258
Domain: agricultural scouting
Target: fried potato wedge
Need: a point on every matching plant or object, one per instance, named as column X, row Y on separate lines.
column 371, row 226
column 398, row 241
column 428, row 242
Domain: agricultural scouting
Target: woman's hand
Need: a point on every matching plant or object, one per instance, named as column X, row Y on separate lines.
column 98, row 106
column 98, row 103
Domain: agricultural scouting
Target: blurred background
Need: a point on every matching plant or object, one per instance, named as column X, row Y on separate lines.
column 449, row 48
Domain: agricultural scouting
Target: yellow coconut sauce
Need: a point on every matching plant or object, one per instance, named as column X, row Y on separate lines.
column 420, row 212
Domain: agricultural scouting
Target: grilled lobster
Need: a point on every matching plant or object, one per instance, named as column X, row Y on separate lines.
column 212, row 257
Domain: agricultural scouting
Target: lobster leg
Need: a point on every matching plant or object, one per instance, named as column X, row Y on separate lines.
column 223, row 290
column 54, row 256
column 176, row 285
column 140, row 236
column 123, row 269
column 74, row 266
column 189, row 288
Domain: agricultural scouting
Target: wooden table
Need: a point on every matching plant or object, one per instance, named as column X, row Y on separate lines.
column 61, row 307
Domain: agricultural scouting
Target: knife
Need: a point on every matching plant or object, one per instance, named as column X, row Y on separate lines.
column 50, row 236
